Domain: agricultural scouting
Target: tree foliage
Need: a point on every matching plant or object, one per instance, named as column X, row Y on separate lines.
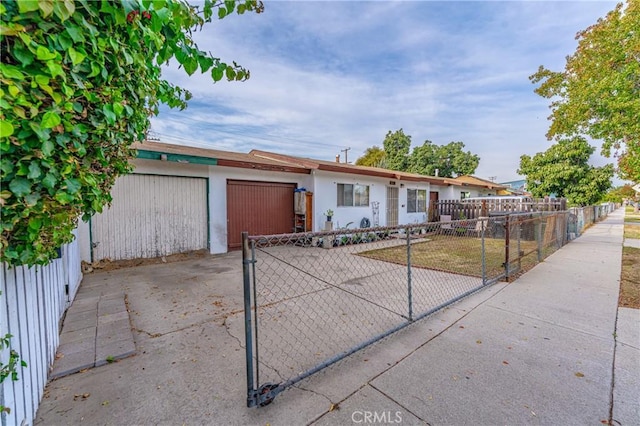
column 79, row 82
column 396, row 147
column 449, row 160
column 564, row 170
column 620, row 193
column 598, row 93
column 373, row 157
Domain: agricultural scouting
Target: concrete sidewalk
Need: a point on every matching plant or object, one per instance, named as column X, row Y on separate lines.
column 540, row 350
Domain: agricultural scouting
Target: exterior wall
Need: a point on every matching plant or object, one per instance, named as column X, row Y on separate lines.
column 323, row 184
column 218, row 176
column 170, row 168
column 326, row 197
column 405, row 218
column 32, row 303
column 456, row 191
column 446, row 192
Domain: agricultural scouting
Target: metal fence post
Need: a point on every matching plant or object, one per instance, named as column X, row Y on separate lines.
column 507, row 225
column 538, row 232
column 409, row 290
column 519, row 232
column 484, row 259
column 246, row 278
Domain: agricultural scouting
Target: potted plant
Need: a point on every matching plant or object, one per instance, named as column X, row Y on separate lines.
column 329, row 215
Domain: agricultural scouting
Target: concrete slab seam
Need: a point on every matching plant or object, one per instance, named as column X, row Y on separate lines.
column 336, row 404
column 613, row 369
column 399, row 404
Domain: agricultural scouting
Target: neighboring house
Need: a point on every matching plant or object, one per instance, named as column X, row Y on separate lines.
column 473, row 186
column 514, row 187
column 180, row 199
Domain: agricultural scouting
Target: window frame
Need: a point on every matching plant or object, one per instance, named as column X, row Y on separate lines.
column 354, row 197
column 416, row 203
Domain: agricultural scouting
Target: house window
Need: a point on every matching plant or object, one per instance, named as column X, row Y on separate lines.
column 416, row 200
column 353, row 195
column 465, row 194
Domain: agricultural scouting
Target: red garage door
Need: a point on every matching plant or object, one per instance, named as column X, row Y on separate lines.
column 260, row 208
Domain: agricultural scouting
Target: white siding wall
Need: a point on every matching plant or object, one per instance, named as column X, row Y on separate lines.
column 152, row 216
column 218, row 176
column 32, row 303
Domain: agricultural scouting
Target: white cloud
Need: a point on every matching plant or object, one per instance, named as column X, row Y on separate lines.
column 331, row 75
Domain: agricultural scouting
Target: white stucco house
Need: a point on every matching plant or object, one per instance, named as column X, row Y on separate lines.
column 181, row 199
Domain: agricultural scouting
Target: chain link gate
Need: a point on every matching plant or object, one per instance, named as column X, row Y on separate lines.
column 312, row 299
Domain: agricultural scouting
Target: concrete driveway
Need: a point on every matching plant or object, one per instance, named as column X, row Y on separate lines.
column 189, row 367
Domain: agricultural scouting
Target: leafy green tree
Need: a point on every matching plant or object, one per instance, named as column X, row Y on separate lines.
column 449, row 160
column 598, row 93
column 372, row 157
column 619, row 194
column 564, row 170
column 396, row 147
column 79, row 82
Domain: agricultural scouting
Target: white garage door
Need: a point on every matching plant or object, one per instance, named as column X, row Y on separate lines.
column 152, row 216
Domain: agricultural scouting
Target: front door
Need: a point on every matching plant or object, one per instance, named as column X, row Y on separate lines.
column 392, row 206
column 433, row 206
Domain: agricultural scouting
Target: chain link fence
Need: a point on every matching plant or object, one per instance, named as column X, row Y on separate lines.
column 312, row 299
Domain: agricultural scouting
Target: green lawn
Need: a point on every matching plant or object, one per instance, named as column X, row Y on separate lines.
column 460, row 255
column 632, row 231
column 629, row 216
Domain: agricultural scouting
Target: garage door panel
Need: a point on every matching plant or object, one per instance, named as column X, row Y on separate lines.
column 152, row 216
column 260, row 208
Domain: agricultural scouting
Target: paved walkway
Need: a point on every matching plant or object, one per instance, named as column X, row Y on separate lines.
column 550, row 348
column 96, row 331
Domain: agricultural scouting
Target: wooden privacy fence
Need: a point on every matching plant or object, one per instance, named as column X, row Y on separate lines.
column 32, row 303
column 474, row 209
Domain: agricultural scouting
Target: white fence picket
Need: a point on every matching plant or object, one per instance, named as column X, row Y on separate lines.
column 32, row 303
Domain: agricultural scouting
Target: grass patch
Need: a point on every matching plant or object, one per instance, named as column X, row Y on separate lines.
column 630, row 278
column 458, row 255
column 632, row 231
column 630, row 216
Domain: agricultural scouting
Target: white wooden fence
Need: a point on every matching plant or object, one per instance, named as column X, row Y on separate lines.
column 32, row 303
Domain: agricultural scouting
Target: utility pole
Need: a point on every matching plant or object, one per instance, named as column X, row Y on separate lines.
column 493, row 178
column 345, row 154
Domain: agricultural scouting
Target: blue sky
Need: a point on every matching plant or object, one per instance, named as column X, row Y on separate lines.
column 330, row 75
